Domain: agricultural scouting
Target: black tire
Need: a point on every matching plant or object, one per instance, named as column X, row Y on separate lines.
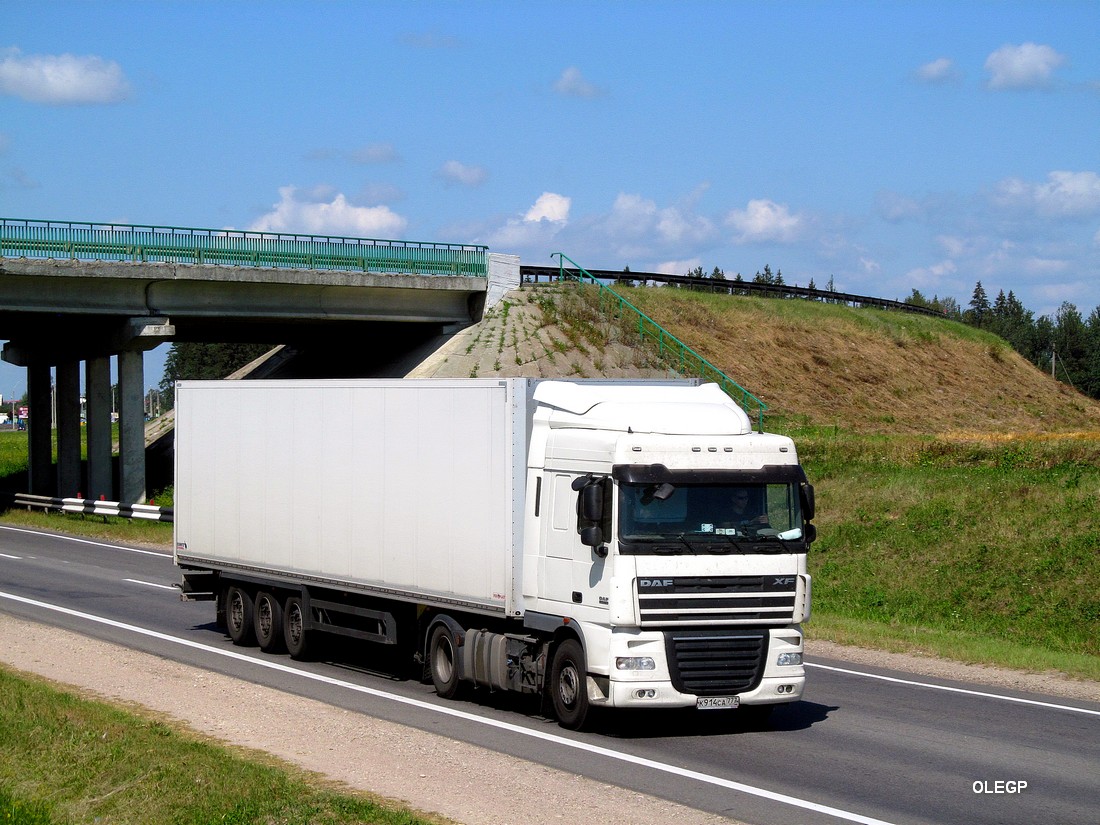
column 268, row 615
column 443, row 662
column 296, row 635
column 239, row 622
column 569, row 685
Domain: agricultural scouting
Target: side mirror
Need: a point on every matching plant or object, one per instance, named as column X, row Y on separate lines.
column 591, row 536
column 810, row 533
column 592, row 502
column 807, row 493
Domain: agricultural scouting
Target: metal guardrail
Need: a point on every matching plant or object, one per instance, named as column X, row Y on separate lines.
column 534, row 273
column 229, row 247
column 92, row 508
column 671, row 349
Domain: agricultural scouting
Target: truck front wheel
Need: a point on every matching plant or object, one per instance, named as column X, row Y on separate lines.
column 443, row 662
column 569, row 685
column 239, row 615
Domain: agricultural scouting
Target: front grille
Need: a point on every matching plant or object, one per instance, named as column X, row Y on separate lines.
column 716, row 601
column 716, row 663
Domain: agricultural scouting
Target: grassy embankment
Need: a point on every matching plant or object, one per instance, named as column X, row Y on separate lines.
column 957, row 485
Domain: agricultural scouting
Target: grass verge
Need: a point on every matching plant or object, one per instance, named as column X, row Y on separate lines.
column 982, row 550
column 106, row 528
column 69, row 759
column 955, row 645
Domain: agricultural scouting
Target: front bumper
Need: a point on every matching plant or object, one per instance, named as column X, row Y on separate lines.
column 775, row 684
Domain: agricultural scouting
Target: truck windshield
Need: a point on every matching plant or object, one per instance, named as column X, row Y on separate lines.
column 709, row 518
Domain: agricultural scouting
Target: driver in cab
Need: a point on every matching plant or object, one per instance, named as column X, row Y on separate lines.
column 744, row 513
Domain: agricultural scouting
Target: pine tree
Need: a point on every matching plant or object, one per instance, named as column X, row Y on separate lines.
column 979, row 306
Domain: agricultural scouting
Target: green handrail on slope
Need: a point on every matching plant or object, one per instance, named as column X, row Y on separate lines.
column 689, row 362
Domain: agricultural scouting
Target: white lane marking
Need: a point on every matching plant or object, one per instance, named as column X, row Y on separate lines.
column 978, row 693
column 152, row 584
column 469, row 717
column 6, row 556
column 87, row 541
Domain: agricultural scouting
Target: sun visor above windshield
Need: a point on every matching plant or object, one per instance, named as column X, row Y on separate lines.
column 668, row 409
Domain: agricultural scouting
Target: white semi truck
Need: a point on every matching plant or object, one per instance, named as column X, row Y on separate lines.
column 618, row 544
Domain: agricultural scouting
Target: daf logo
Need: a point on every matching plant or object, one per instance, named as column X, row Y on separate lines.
column 655, row 582
column 783, row 580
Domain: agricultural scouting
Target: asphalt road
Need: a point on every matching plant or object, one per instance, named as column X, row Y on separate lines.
column 866, row 745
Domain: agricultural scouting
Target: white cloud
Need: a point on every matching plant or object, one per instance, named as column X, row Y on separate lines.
column 1027, row 66
column 933, row 276
column 549, row 207
column 572, row 84
column 375, row 153
column 61, row 79
column 940, row 70
column 1063, row 195
column 1044, row 266
column 335, row 217
column 454, row 172
column 958, row 247
column 869, row 265
column 682, row 267
column 765, row 220
column 376, row 193
column 633, row 217
column 895, row 208
column 540, row 224
column 17, row 179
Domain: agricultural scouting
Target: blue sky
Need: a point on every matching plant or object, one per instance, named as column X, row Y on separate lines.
column 888, row 146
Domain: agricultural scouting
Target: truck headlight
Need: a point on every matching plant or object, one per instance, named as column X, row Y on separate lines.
column 635, row 663
column 789, row 659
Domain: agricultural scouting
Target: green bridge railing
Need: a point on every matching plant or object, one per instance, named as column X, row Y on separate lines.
column 671, row 349
column 229, row 247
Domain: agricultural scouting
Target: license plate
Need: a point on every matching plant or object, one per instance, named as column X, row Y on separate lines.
column 710, row 702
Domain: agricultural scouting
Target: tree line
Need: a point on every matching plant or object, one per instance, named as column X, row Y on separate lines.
column 1065, row 344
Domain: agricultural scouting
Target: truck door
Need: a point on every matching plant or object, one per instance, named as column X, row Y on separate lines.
column 572, row 572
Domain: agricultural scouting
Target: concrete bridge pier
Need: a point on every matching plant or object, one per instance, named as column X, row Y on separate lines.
column 40, row 429
column 97, row 392
column 57, row 402
column 67, row 404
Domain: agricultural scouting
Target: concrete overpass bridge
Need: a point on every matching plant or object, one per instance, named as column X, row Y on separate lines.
column 83, row 293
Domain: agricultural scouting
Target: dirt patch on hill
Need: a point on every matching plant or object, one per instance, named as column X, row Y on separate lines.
column 858, row 369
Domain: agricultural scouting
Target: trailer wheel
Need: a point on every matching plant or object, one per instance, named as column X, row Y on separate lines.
column 269, row 622
column 443, row 662
column 239, row 621
column 569, row 685
column 295, row 635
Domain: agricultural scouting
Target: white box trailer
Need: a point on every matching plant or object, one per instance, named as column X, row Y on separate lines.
column 563, row 538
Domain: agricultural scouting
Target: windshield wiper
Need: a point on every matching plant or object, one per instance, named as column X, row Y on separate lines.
column 686, row 543
column 734, row 543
